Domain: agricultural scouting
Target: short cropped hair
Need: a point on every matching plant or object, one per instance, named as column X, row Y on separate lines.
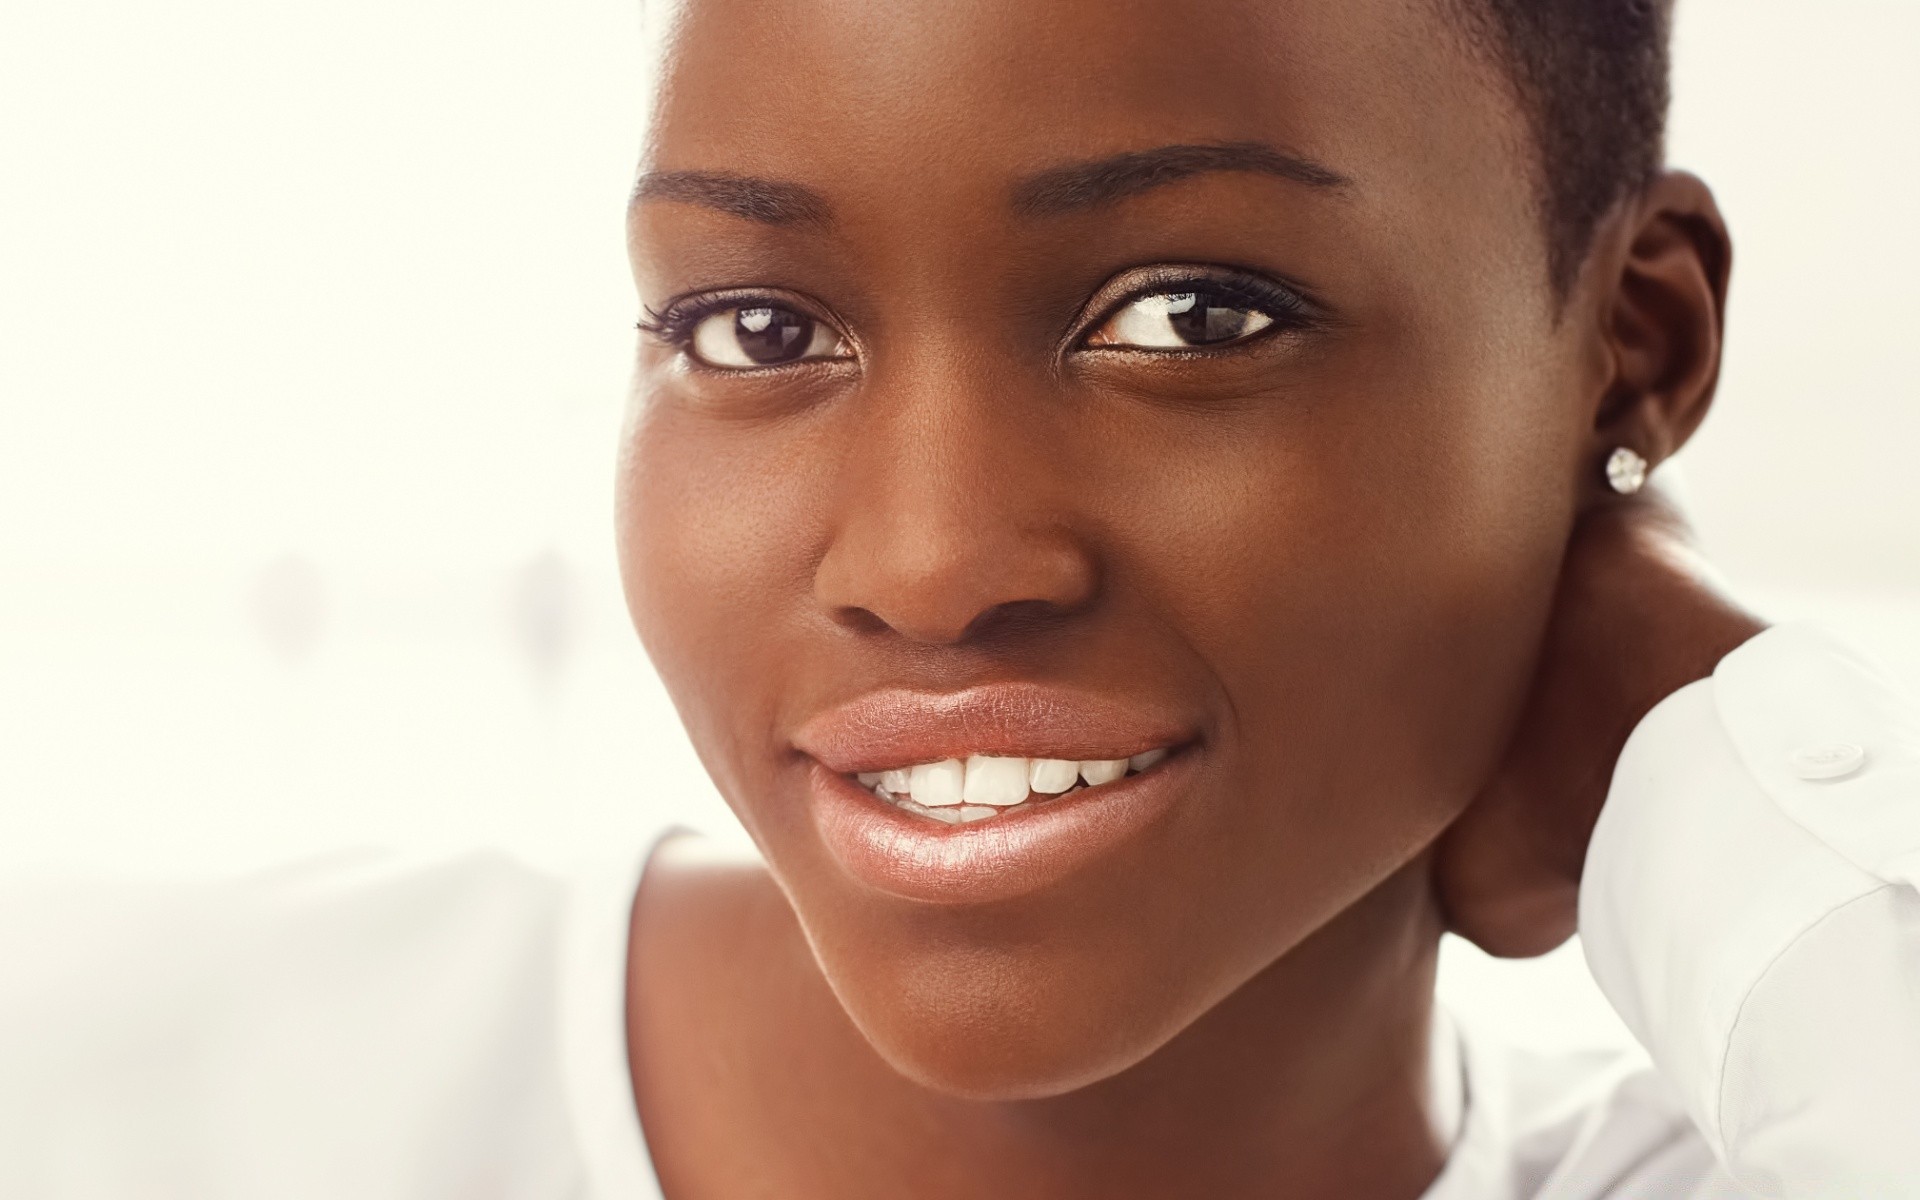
column 1593, row 83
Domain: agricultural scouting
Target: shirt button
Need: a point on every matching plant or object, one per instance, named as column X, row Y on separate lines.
column 1834, row 761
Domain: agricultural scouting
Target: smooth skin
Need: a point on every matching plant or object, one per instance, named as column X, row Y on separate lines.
column 1366, row 550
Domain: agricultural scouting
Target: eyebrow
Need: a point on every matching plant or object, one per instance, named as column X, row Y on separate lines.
column 769, row 201
column 1079, row 186
column 1073, row 187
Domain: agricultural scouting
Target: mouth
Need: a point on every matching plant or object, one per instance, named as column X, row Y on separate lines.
column 983, row 787
column 995, row 792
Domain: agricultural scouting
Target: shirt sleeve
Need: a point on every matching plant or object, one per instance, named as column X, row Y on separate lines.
column 1750, row 908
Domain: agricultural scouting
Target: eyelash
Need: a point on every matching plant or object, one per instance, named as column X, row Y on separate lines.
column 676, row 320
column 674, row 323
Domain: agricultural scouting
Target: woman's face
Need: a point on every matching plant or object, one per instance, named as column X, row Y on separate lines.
column 1072, row 381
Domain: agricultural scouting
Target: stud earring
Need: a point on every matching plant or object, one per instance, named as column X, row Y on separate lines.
column 1626, row 471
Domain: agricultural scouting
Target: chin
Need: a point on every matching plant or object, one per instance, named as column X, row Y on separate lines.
column 976, row 1056
column 1020, row 1020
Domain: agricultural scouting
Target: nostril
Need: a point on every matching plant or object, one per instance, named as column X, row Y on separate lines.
column 859, row 620
column 940, row 616
column 1015, row 619
column 943, row 576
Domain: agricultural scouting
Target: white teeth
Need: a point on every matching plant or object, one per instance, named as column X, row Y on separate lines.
column 955, row 792
column 1000, row 782
column 1051, row 776
column 939, row 785
column 1102, row 771
column 1141, row 762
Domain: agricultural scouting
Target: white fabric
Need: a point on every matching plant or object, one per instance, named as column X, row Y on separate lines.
column 364, row 1027
column 379, row 1028
column 1760, row 932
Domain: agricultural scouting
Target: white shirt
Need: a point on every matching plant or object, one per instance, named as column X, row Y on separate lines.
column 380, row 1029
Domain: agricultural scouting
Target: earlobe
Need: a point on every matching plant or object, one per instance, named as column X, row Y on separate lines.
column 1661, row 319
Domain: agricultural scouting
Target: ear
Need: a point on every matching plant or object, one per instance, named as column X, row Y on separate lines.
column 1661, row 312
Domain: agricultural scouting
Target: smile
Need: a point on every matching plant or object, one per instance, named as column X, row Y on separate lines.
column 995, row 791
column 981, row 787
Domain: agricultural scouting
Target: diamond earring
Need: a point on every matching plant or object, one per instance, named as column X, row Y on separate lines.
column 1626, row 471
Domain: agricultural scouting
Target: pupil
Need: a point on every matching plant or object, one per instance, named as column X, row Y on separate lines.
column 1206, row 320
column 772, row 335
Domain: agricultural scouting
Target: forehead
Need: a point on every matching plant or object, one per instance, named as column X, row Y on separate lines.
column 1384, row 91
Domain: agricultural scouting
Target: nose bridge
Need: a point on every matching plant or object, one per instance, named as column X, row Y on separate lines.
column 947, row 509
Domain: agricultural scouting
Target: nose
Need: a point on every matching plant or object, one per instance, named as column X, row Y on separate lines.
column 955, row 520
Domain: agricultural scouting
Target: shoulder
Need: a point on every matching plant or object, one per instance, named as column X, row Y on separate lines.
column 740, row 1055
column 696, row 890
column 713, row 936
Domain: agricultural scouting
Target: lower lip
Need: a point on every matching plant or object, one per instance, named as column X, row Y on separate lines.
column 999, row 858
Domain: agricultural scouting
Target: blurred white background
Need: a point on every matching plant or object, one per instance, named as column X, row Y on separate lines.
column 313, row 331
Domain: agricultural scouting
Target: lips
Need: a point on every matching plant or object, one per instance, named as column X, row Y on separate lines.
column 893, row 728
column 917, row 851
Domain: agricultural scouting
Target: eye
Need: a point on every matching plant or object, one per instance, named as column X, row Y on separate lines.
column 1197, row 313
column 760, row 335
column 1174, row 320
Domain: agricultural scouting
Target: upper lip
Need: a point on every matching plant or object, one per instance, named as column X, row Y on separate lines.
column 898, row 727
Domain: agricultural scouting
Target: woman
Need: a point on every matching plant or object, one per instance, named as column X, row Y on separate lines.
column 1140, row 511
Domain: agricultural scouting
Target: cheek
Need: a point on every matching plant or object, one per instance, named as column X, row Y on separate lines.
column 1367, row 575
column 712, row 550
